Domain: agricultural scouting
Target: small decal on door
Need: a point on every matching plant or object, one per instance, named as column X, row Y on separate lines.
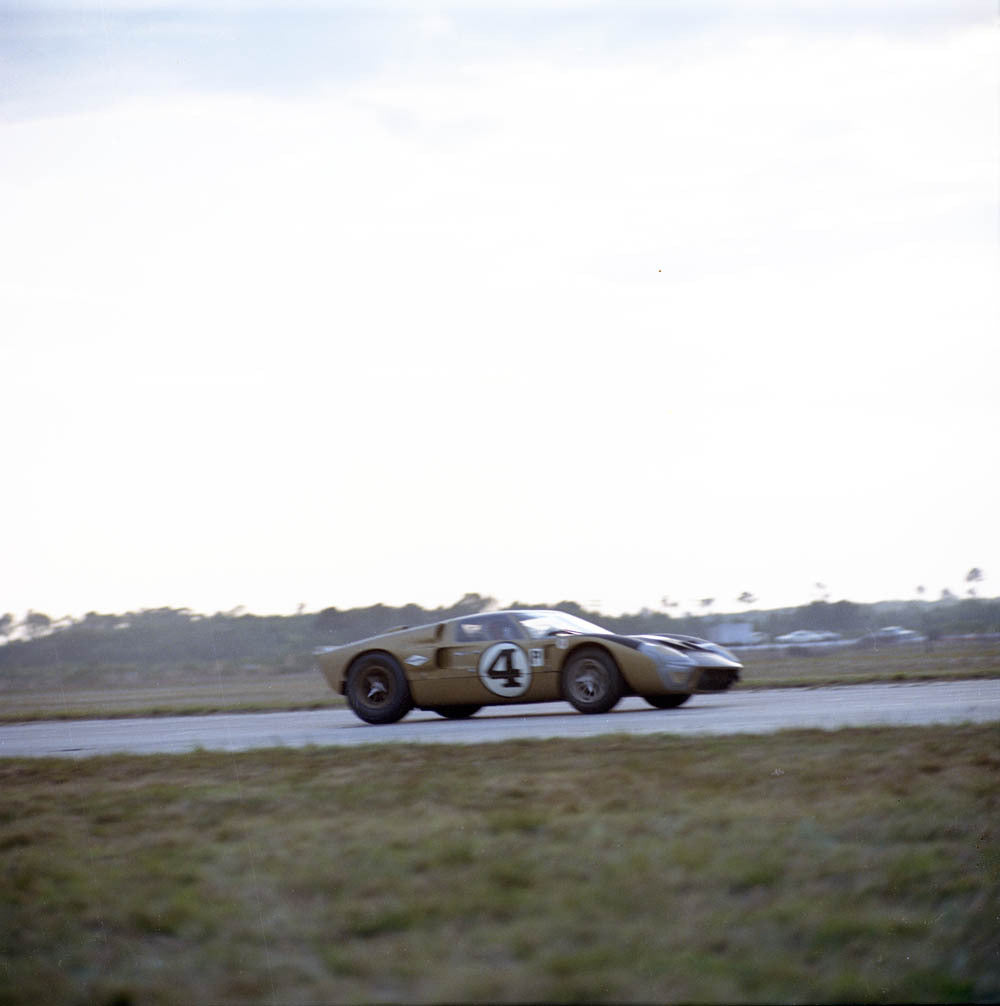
column 536, row 657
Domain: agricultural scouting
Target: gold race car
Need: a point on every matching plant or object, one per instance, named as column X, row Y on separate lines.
column 456, row 667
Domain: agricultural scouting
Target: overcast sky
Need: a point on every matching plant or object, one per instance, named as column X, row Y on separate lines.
column 601, row 301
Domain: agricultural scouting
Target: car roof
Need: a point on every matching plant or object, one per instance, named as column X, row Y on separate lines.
column 509, row 611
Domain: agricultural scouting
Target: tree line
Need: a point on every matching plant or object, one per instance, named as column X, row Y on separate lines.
column 170, row 636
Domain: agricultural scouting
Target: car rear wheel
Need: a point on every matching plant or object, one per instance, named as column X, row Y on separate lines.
column 666, row 701
column 377, row 691
column 591, row 682
column 456, row 712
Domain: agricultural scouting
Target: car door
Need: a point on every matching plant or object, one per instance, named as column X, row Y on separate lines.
column 483, row 660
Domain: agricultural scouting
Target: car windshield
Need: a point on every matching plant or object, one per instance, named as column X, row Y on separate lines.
column 550, row 623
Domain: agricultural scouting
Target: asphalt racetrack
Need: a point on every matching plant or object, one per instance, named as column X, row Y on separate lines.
column 748, row 712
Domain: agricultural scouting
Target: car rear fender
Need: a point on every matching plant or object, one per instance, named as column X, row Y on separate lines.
column 357, row 657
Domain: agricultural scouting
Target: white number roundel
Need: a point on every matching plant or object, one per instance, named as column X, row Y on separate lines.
column 504, row 669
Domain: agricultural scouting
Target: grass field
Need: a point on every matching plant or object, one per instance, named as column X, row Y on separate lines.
column 73, row 693
column 855, row 866
column 60, row 693
column 909, row 662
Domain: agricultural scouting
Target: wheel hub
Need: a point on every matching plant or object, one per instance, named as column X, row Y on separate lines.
column 377, row 690
column 588, row 682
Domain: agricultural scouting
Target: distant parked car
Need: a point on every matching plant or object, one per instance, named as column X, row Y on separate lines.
column 807, row 636
column 895, row 633
column 889, row 635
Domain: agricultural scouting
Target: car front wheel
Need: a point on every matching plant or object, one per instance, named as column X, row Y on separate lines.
column 591, row 682
column 377, row 691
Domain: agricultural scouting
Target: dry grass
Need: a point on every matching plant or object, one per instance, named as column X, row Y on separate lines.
column 49, row 694
column 75, row 693
column 855, row 866
column 848, row 665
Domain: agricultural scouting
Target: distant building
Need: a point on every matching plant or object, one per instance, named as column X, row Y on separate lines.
column 731, row 633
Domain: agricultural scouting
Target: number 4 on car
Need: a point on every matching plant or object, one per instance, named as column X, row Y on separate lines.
column 458, row 666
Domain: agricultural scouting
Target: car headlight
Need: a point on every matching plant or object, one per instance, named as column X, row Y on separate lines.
column 721, row 650
column 674, row 667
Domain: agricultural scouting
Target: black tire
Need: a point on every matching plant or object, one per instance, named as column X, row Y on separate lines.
column 377, row 691
column 591, row 681
column 666, row 701
column 456, row 712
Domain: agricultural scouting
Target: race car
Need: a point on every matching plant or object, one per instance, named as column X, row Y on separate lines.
column 457, row 666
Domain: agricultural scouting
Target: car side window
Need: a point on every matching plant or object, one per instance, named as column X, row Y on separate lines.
column 471, row 631
column 486, row 629
column 501, row 627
